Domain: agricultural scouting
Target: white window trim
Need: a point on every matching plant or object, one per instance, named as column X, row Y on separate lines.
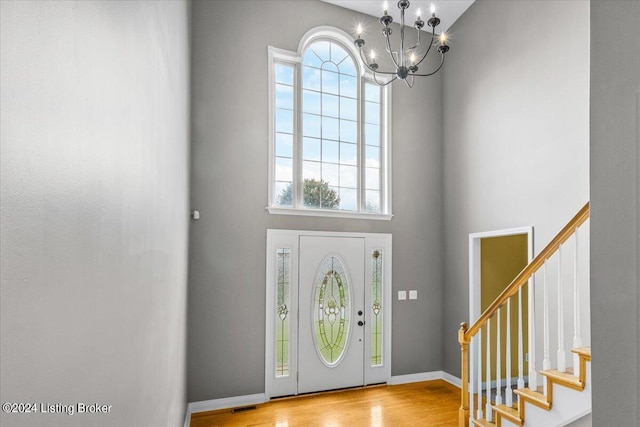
column 295, row 58
column 328, row 213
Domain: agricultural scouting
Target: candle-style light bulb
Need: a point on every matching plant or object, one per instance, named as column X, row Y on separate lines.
column 385, row 7
column 418, row 13
column 433, row 10
column 359, row 30
column 372, row 55
column 413, row 58
column 443, row 38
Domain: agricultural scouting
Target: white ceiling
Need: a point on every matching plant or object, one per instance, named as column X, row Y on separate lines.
column 447, row 10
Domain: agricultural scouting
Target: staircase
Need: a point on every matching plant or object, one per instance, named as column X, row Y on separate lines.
column 533, row 397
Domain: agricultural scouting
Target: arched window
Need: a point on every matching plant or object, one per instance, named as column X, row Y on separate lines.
column 329, row 148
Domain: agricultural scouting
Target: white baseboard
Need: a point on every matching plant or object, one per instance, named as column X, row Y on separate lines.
column 451, row 379
column 187, row 419
column 227, row 402
column 577, row 417
column 424, row 376
column 414, row 378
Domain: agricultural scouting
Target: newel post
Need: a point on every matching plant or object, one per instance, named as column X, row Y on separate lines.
column 463, row 413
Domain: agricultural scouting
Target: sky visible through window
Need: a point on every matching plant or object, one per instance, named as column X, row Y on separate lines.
column 339, row 140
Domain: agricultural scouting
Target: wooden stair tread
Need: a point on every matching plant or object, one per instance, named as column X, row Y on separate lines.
column 583, row 351
column 566, row 379
column 535, row 397
column 483, row 423
column 509, row 413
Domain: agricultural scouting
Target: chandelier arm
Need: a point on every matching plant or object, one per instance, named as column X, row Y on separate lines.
column 386, row 47
column 406, row 81
column 383, row 84
column 436, row 70
column 433, row 34
column 385, row 73
column 364, row 61
column 417, row 42
column 391, row 51
column 394, row 54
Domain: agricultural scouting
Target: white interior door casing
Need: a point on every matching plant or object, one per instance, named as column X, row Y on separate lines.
column 366, row 260
column 474, row 263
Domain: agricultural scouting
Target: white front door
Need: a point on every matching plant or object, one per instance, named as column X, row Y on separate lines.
column 320, row 285
column 331, row 328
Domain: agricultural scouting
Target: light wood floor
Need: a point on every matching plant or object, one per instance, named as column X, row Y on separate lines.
column 430, row 403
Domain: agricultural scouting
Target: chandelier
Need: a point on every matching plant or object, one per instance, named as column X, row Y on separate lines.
column 407, row 59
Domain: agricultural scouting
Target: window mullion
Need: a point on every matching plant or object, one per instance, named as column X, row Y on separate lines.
column 361, row 150
column 383, row 149
column 385, row 154
column 297, row 163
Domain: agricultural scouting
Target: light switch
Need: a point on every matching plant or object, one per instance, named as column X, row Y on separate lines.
column 402, row 295
column 413, row 294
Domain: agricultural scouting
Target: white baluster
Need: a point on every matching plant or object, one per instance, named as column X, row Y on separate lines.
column 546, row 363
column 472, row 382
column 562, row 363
column 487, row 409
column 520, row 343
column 498, row 363
column 479, row 414
column 508, row 393
column 577, row 339
column 533, row 375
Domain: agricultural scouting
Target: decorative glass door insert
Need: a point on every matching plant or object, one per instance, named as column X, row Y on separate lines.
column 283, row 269
column 331, row 311
column 376, row 307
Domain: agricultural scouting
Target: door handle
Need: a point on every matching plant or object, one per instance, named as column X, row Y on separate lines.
column 360, row 323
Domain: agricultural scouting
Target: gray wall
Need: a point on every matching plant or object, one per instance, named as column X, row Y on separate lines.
column 615, row 223
column 94, row 152
column 229, row 187
column 516, row 133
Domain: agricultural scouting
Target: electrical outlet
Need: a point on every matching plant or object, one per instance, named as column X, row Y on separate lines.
column 402, row 295
column 413, row 294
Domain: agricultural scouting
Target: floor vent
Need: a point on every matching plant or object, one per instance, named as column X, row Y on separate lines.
column 243, row 409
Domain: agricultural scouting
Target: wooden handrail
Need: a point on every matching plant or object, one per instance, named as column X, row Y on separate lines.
column 524, row 276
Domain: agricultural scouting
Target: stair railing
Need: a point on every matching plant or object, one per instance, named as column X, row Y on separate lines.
column 467, row 334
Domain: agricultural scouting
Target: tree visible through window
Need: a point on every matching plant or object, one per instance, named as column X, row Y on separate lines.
column 315, row 193
column 329, row 137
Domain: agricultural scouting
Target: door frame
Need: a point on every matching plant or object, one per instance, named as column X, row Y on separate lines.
column 475, row 258
column 277, row 238
column 474, row 283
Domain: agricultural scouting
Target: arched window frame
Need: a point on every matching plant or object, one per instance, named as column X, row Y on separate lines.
column 294, row 60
